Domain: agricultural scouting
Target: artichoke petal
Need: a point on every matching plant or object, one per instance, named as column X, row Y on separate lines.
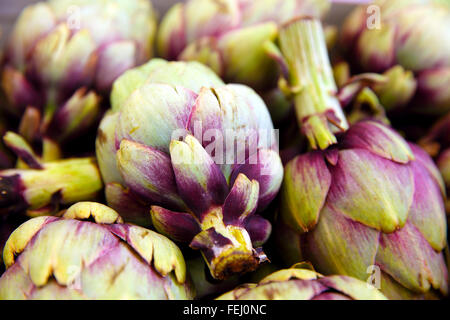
column 259, row 229
column 20, row 238
column 22, row 149
column 168, row 107
column 114, row 60
column 148, row 172
column 425, row 160
column 266, row 168
column 306, row 184
column 379, row 140
column 105, row 147
column 336, row 237
column 18, row 91
column 242, row 200
column 371, row 190
column 200, row 182
column 34, row 22
column 100, row 212
column 77, row 115
column 427, row 211
column 407, row 257
column 179, row 226
column 154, row 249
column 376, row 48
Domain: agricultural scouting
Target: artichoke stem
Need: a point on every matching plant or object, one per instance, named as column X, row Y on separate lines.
column 227, row 249
column 67, row 181
column 311, row 83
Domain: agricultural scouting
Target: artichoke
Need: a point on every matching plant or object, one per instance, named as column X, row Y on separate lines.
column 89, row 253
column 63, row 56
column 405, row 36
column 372, row 199
column 366, row 198
column 201, row 154
column 300, row 283
column 233, row 37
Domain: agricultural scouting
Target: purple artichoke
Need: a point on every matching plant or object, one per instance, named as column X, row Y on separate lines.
column 166, row 146
column 89, row 253
column 299, row 283
column 233, row 37
column 371, row 200
column 405, row 36
column 367, row 199
column 63, row 55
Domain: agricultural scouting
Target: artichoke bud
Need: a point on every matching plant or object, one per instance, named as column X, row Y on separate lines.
column 90, row 253
column 376, row 47
column 170, row 145
column 77, row 115
column 367, row 197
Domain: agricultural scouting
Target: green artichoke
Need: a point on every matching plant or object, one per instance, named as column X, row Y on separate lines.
column 411, row 33
column 299, row 283
column 89, row 253
column 63, row 56
column 231, row 36
column 201, row 154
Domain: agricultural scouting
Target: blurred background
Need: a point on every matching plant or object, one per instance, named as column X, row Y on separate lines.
column 9, row 10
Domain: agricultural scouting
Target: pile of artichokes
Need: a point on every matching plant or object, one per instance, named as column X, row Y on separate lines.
column 229, row 149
